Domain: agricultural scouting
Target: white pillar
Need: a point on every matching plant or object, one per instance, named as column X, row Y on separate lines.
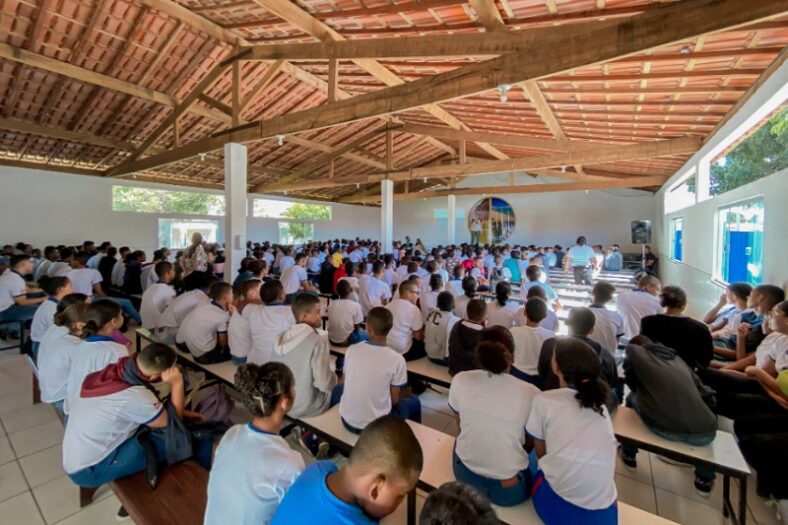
column 235, row 204
column 452, row 233
column 386, row 214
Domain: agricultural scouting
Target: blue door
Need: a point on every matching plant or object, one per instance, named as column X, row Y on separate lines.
column 740, row 247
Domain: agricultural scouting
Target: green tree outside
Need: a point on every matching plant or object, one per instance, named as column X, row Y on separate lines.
column 148, row 200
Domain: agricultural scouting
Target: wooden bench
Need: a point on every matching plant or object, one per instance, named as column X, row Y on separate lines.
column 722, row 455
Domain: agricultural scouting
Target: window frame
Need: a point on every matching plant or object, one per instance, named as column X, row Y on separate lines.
column 291, row 219
column 672, row 240
column 718, row 248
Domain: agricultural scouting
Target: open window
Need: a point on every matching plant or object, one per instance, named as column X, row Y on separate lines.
column 739, row 253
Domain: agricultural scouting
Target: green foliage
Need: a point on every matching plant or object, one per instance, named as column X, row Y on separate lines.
column 314, row 212
column 295, row 232
column 761, row 154
column 147, row 200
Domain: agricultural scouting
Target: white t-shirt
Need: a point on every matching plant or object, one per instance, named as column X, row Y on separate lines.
column 199, row 330
column 370, row 370
column 343, row 315
column 12, row 285
column 633, row 307
column 154, row 302
column 493, row 409
column 548, row 323
column 58, row 269
column 581, row 448
column 407, row 319
column 771, row 348
column 92, row 354
column 609, row 324
column 292, row 278
column 56, row 350
column 353, row 281
column 498, row 315
column 148, row 276
column 580, row 255
column 461, row 306
column 41, row 270
column 250, row 475
column 83, row 279
column 43, row 319
column 428, row 301
column 373, row 293
column 239, row 334
column 98, row 425
column 391, row 277
column 118, row 273
column 437, row 328
column 267, row 322
column 527, row 347
column 286, row 262
column 177, row 310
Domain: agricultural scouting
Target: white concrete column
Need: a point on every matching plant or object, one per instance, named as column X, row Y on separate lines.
column 386, row 214
column 235, row 205
column 452, row 233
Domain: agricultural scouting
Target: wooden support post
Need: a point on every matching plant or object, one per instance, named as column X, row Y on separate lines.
column 236, row 116
column 389, row 150
column 333, row 79
column 176, row 128
column 463, row 152
column 331, row 169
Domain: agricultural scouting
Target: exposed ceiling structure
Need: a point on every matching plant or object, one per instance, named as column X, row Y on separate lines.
column 332, row 96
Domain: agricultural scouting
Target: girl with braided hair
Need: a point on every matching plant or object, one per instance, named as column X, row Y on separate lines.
column 254, row 466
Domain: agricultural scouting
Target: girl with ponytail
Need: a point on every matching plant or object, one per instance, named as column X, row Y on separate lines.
column 56, row 288
column 254, row 466
column 575, row 483
column 502, row 312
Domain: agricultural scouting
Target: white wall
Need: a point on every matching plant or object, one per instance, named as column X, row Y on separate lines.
column 542, row 219
column 43, row 207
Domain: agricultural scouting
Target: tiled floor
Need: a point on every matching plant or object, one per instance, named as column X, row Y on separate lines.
column 34, row 490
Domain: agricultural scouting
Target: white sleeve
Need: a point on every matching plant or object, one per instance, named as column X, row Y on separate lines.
column 400, row 377
column 221, row 324
column 417, row 320
column 454, row 397
column 536, row 420
column 358, row 315
column 96, row 278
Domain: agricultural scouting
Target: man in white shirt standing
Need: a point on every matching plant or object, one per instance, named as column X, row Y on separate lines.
column 15, row 305
column 638, row 303
column 580, row 258
column 407, row 334
column 295, row 279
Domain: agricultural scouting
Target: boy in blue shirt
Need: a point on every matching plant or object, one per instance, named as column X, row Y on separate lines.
column 383, row 468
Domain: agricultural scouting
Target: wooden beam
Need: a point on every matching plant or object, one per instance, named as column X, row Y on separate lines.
column 333, row 76
column 750, row 72
column 403, row 7
column 389, row 150
column 196, row 21
column 62, row 134
column 268, row 77
column 221, row 106
column 319, row 146
column 488, row 14
column 572, row 48
column 236, row 93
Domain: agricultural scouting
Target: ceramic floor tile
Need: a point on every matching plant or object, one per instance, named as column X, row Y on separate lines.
column 451, row 428
column 32, row 440
column 686, row 510
column 102, row 512
column 438, row 401
column 20, row 510
column 57, row 499
column 434, row 419
column 15, row 401
column 43, row 467
column 680, row 480
column 636, row 493
column 28, row 417
column 12, row 482
column 764, row 511
column 6, row 452
column 15, row 386
column 643, row 471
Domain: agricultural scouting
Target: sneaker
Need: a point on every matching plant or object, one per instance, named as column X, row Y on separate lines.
column 703, row 486
column 323, row 450
column 309, row 442
column 122, row 514
column 629, row 460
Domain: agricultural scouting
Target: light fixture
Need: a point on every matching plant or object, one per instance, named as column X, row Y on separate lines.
column 134, row 176
column 685, row 50
column 202, row 156
column 285, row 192
column 563, row 169
column 358, row 185
column 586, row 192
column 503, row 89
column 425, row 180
column 280, row 140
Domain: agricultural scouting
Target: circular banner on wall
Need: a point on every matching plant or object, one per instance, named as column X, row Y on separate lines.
column 491, row 220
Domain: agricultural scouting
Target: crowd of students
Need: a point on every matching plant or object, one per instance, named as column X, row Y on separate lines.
column 533, row 408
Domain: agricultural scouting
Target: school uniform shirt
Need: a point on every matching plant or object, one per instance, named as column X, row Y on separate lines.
column 428, row 301
column 527, row 346
column 354, row 285
column 41, row 269
column 58, row 269
column 98, row 425
column 455, row 287
column 309, row 501
column 549, row 323
column 370, row 370
column 498, row 315
column 633, row 306
column 373, row 293
column 199, row 330
column 94, row 260
column 43, row 319
column 493, row 409
column 437, row 328
column 179, row 308
column 292, row 277
column 551, row 295
column 407, row 319
column 390, row 277
column 56, row 350
column 251, row 473
column 580, row 255
column 92, row 354
column 266, row 322
column 239, row 335
column 608, row 327
column 12, row 285
column 286, row 262
column 83, row 280
column 581, row 448
column 313, row 264
column 118, row 273
column 148, row 276
column 461, row 306
column 773, row 346
column 154, row 302
column 343, row 316
column 402, row 272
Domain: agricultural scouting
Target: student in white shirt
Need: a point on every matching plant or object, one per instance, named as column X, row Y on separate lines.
column 350, row 277
column 239, row 333
column 267, row 321
column 376, row 291
column 158, row 296
column 639, row 303
column 87, row 281
column 15, row 305
column 148, row 275
column 469, row 286
column 179, row 308
column 345, row 318
column 61, row 267
column 407, row 334
column 501, row 311
column 437, row 328
column 528, row 339
column 455, row 283
column 51, row 255
column 254, row 466
column 98, row 349
column 56, row 289
column 390, row 277
column 609, row 323
column 203, row 333
column 119, row 268
column 374, row 378
column 491, row 409
column 57, row 350
column 429, row 298
column 287, row 260
column 550, row 322
column 294, row 279
column 574, row 440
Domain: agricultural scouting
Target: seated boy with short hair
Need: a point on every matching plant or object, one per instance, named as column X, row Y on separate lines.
column 375, row 377
column 528, row 340
column 465, row 337
column 267, row 321
column 204, row 331
column 437, row 327
column 383, row 468
column 456, row 502
column 239, row 333
column 345, row 318
column 158, row 295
